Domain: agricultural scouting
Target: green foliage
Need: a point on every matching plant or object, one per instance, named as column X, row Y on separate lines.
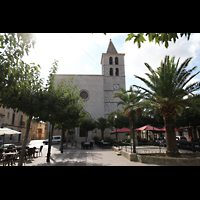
column 129, row 99
column 13, row 70
column 157, row 37
column 102, row 124
column 170, row 91
column 69, row 114
column 120, row 122
column 88, row 124
column 169, row 86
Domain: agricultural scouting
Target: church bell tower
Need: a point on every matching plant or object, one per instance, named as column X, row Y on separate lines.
column 114, row 77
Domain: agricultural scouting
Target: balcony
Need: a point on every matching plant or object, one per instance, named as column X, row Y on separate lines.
column 22, row 124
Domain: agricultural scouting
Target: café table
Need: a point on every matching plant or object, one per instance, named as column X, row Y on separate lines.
column 106, row 144
column 86, row 144
column 9, row 157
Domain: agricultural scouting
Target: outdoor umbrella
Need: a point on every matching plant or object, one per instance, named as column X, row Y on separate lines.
column 176, row 129
column 7, row 131
column 123, row 130
column 148, row 128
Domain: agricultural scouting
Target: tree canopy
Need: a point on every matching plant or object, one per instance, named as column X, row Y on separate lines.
column 157, row 37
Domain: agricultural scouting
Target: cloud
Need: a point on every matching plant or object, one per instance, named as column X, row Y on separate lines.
column 152, row 54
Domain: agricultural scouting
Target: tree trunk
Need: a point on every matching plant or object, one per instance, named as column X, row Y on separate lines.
column 172, row 148
column 102, row 134
column 49, row 145
column 194, row 132
column 21, row 158
column 61, row 142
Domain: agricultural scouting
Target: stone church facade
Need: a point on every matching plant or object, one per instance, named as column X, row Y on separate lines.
column 98, row 90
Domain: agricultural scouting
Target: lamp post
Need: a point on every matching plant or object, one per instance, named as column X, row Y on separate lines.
column 134, row 149
column 115, row 127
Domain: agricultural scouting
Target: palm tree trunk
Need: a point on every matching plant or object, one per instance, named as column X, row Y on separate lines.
column 132, row 128
column 172, row 148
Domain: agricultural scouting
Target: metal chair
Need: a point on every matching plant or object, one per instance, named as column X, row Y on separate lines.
column 91, row 145
column 30, row 152
column 82, row 145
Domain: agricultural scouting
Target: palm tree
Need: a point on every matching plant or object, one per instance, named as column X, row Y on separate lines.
column 170, row 91
column 130, row 100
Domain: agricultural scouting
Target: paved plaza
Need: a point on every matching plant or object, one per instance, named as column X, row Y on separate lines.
column 75, row 156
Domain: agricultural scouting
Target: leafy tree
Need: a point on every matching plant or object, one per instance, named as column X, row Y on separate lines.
column 168, row 91
column 51, row 104
column 20, row 83
column 102, row 124
column 12, row 49
column 25, row 97
column 88, row 124
column 157, row 37
column 70, row 113
column 120, row 122
column 189, row 117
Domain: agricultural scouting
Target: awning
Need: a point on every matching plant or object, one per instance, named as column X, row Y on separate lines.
column 122, row 130
column 176, row 129
column 7, row 131
column 148, row 128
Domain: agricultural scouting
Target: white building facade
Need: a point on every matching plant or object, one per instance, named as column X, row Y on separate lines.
column 98, row 90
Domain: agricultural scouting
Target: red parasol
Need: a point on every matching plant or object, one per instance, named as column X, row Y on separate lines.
column 148, row 128
column 123, row 130
column 176, row 129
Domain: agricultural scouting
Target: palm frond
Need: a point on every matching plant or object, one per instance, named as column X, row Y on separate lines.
column 149, row 84
column 146, row 90
column 168, row 85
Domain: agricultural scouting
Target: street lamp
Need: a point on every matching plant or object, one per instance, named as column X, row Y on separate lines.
column 115, row 127
column 134, row 149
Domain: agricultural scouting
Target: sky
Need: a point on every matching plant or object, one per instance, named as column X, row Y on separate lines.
column 80, row 53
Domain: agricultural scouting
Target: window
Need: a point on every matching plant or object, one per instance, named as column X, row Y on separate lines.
column 11, row 137
column 117, row 72
column 84, row 95
column 39, row 130
column 21, row 120
column 8, row 115
column 110, row 60
column 116, row 60
column 111, row 71
column 13, row 118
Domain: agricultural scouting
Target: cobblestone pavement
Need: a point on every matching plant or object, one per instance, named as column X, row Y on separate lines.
column 75, row 156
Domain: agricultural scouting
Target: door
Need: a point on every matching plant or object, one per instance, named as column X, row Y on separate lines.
column 83, row 133
column 39, row 138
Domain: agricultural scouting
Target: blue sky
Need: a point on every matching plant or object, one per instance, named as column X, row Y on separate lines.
column 80, row 53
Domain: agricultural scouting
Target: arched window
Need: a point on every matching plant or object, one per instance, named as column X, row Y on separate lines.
column 111, row 71
column 110, row 60
column 117, row 72
column 116, row 60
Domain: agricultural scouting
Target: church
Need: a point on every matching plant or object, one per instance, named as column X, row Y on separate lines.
column 98, row 90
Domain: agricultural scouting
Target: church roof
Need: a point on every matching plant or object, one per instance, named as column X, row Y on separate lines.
column 111, row 48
